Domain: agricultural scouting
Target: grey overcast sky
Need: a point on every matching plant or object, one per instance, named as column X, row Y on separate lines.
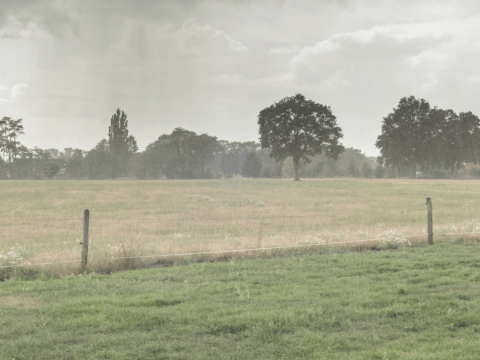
column 210, row 66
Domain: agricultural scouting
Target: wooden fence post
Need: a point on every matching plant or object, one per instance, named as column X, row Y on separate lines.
column 86, row 218
column 430, row 221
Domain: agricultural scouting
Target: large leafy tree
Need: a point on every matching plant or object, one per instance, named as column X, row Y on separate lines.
column 299, row 128
column 402, row 142
column 180, row 155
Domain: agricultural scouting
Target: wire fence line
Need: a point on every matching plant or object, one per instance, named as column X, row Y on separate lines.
column 213, row 252
column 324, row 243
column 260, row 218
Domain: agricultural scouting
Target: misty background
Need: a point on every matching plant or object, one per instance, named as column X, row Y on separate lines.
column 209, row 67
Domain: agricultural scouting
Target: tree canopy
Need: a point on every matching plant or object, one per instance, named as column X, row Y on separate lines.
column 402, row 141
column 414, row 134
column 299, row 128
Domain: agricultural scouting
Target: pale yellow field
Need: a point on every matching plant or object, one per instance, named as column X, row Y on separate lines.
column 41, row 221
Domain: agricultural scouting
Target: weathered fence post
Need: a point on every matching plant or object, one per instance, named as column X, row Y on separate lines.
column 430, row 221
column 86, row 218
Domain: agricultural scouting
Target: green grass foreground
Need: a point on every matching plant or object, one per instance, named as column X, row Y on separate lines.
column 410, row 303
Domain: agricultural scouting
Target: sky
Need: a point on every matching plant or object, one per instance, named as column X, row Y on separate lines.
column 211, row 66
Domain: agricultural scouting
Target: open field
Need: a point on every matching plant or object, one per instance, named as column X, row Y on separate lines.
column 41, row 221
column 410, row 303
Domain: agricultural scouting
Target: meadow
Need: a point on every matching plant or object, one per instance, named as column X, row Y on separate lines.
column 408, row 303
column 41, row 221
column 340, row 295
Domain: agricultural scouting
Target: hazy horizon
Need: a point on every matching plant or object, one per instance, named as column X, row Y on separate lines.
column 211, row 66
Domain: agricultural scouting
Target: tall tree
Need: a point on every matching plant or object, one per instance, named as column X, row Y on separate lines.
column 299, row 128
column 10, row 129
column 402, row 142
column 121, row 145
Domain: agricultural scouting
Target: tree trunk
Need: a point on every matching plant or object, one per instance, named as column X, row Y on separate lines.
column 295, row 169
column 452, row 169
column 414, row 170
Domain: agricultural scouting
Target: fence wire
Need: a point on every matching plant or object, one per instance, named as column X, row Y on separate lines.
column 213, row 252
column 225, row 219
column 234, row 250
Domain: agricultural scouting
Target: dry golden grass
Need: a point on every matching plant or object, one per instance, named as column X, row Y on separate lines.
column 41, row 221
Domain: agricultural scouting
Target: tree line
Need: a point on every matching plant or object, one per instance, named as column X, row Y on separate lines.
column 416, row 136
column 298, row 138
column 182, row 154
